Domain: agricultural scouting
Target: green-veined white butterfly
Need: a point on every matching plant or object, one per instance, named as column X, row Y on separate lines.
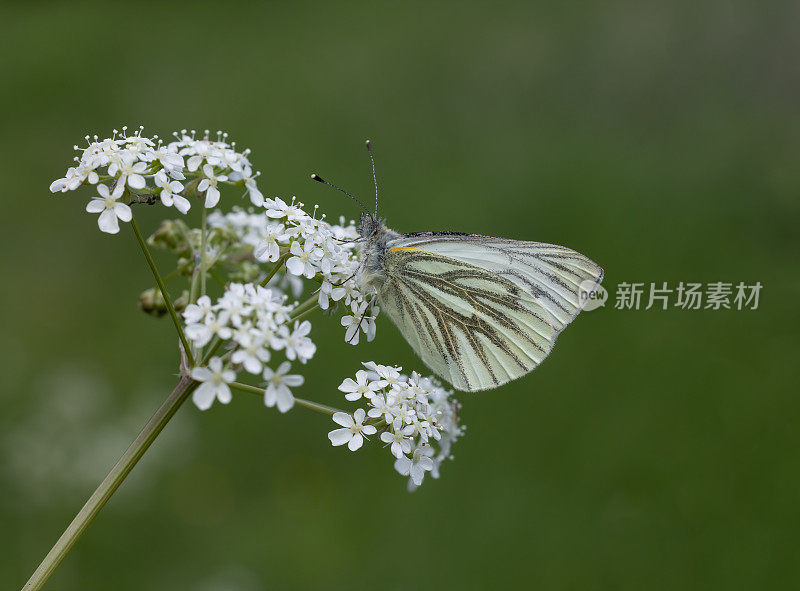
column 479, row 311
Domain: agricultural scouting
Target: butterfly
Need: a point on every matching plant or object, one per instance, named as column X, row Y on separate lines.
column 479, row 311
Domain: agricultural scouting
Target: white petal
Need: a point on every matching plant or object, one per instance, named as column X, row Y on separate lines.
column 224, row 393
column 261, row 251
column 356, row 442
column 252, row 365
column 136, row 181
column 343, row 419
column 96, row 206
column 293, row 380
column 348, row 385
column 369, row 430
column 295, row 266
column 201, row 374
column 425, row 463
column 58, row 186
column 194, row 162
column 340, row 436
column 204, row 396
column 270, row 396
column 107, row 222
column 212, row 197
column 181, row 203
column 403, row 465
column 256, row 197
column 285, row 400
column 351, row 334
column 123, row 212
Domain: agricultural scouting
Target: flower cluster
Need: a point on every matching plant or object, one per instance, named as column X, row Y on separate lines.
column 244, row 271
column 310, row 248
column 416, row 418
column 139, row 169
column 316, row 249
column 256, row 323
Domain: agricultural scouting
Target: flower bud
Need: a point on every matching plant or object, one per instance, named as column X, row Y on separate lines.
column 169, row 236
column 152, row 302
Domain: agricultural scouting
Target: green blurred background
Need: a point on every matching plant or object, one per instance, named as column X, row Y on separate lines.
column 654, row 450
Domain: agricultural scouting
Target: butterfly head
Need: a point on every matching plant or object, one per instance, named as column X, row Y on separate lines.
column 370, row 226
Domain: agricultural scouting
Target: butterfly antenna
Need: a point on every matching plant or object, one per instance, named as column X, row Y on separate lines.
column 374, row 178
column 319, row 179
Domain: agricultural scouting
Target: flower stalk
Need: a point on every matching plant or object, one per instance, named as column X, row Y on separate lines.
column 170, row 307
column 310, row 404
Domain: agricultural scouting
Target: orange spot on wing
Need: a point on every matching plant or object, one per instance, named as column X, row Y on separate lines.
column 406, row 248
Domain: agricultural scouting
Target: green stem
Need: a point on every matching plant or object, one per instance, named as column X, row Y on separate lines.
column 203, row 242
column 110, row 484
column 278, row 265
column 187, row 350
column 305, row 305
column 328, row 410
column 211, row 351
column 303, row 316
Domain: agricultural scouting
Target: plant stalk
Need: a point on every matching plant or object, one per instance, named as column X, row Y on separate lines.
column 187, row 349
column 323, row 408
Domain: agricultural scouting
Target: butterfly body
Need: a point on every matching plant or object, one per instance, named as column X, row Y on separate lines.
column 479, row 311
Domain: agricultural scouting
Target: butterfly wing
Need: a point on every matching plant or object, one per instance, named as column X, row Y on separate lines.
column 482, row 311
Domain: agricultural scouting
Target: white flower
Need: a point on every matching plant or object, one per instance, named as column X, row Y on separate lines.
column 347, row 290
column 361, row 386
column 359, row 319
column 391, row 375
column 209, row 185
column 417, row 465
column 400, row 440
column 171, row 161
column 228, row 159
column 202, row 149
column 278, row 208
column 169, row 192
column 298, row 345
column 74, row 177
column 383, row 406
column 246, row 175
column 278, row 383
column 200, row 333
column 130, row 170
column 251, row 353
column 215, row 380
column 269, row 249
column 110, row 211
column 354, row 431
column 304, row 258
column 197, row 311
